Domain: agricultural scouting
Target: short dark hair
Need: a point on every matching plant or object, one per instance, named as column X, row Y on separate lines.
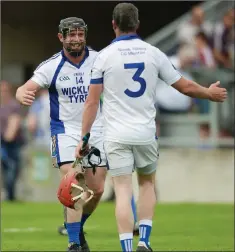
column 126, row 16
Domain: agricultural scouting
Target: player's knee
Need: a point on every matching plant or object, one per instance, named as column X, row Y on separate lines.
column 97, row 188
column 98, row 191
column 96, row 183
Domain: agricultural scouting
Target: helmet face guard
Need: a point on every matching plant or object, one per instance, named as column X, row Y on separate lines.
column 74, row 41
column 73, row 188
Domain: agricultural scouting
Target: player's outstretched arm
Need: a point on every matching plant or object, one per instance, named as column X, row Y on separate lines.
column 171, row 76
column 190, row 88
column 91, row 106
column 25, row 94
column 89, row 113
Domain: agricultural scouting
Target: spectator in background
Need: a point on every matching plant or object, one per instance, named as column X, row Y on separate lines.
column 11, row 139
column 204, row 52
column 223, row 40
column 185, row 57
column 197, row 54
column 188, row 30
column 38, row 119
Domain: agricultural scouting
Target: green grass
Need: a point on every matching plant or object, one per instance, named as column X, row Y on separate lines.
column 176, row 227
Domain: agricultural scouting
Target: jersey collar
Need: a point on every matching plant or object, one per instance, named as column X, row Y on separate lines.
column 126, row 37
column 80, row 64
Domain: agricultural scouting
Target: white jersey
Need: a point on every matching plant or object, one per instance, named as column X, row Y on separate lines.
column 130, row 68
column 68, row 86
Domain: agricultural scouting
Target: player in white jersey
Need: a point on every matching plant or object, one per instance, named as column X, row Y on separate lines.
column 127, row 73
column 67, row 77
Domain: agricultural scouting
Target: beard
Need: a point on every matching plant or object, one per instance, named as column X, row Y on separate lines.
column 75, row 49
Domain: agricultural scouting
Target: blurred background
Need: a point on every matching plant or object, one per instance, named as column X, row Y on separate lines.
column 196, row 136
column 198, row 37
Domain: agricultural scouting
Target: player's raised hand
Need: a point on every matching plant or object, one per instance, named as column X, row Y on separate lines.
column 217, row 94
column 26, row 97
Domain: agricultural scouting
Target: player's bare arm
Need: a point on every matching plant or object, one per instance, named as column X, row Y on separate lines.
column 91, row 107
column 171, row 76
column 26, row 93
column 90, row 110
column 193, row 89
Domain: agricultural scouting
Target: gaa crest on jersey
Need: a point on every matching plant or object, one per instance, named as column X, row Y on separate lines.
column 53, row 152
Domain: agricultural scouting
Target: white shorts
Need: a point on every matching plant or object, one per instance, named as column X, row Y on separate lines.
column 124, row 158
column 63, row 148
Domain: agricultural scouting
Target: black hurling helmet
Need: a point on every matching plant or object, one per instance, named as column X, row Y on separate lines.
column 66, row 26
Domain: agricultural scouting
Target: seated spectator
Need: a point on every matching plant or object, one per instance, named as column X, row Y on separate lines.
column 223, row 40
column 11, row 139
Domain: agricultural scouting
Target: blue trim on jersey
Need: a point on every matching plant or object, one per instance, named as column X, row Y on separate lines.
column 126, row 37
column 57, row 151
column 96, row 81
column 81, row 63
column 57, row 126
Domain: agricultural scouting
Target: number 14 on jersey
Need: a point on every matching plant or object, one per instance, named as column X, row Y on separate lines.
column 79, row 80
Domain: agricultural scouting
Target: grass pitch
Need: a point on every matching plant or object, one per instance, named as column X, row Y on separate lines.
column 176, row 227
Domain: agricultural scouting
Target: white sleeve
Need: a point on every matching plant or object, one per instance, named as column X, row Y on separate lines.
column 42, row 75
column 97, row 70
column 167, row 72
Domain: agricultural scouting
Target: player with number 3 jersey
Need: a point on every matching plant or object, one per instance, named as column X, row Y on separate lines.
column 127, row 72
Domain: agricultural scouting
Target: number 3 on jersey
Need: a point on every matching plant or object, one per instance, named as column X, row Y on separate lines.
column 136, row 77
